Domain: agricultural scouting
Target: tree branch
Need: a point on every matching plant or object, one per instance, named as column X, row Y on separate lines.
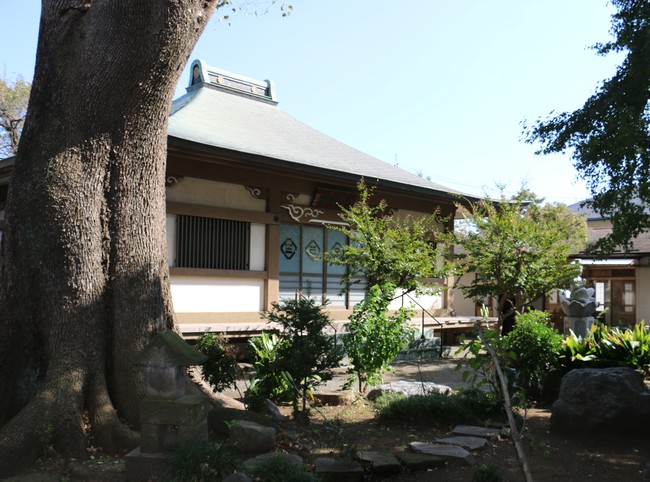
column 516, row 436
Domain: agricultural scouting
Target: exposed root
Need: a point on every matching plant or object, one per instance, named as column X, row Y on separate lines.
column 46, row 423
column 108, row 431
column 53, row 422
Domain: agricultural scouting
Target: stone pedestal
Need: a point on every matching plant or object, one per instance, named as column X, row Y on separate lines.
column 580, row 325
column 167, row 417
column 144, row 467
column 166, row 424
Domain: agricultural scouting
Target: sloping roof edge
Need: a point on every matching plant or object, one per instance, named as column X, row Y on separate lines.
column 279, row 164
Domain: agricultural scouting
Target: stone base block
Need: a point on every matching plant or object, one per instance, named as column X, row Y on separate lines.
column 144, row 467
column 580, row 325
column 165, row 438
column 185, row 410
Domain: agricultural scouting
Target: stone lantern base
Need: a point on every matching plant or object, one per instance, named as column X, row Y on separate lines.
column 165, row 423
column 580, row 325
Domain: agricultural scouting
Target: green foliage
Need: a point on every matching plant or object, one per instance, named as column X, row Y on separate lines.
column 535, row 316
column 609, row 136
column 389, row 249
column 375, row 337
column 281, row 469
column 606, row 346
column 473, row 407
column 536, row 347
column 301, row 355
column 269, row 381
column 13, row 109
column 527, row 355
column 221, row 370
column 478, row 366
column 487, row 473
column 519, row 249
column 201, row 461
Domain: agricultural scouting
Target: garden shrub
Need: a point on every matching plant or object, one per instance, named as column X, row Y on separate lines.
column 487, row 473
column 281, row 469
column 374, row 337
column 221, row 370
column 477, row 365
column 201, row 461
column 471, row 407
column 308, row 354
column 298, row 357
column 535, row 345
column 604, row 346
column 269, row 380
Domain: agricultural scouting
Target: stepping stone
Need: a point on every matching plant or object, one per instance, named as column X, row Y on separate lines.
column 488, row 433
column 415, row 462
column 407, row 388
column 345, row 397
column 469, row 443
column 238, row 477
column 255, row 461
column 335, row 470
column 449, row 452
column 251, row 437
column 381, row 463
column 220, row 419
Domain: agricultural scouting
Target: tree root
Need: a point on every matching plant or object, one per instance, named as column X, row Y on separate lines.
column 53, row 421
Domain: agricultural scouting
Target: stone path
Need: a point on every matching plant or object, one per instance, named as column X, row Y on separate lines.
column 463, row 446
column 422, row 456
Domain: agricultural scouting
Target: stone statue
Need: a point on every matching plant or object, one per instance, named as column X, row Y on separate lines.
column 579, row 308
column 581, row 302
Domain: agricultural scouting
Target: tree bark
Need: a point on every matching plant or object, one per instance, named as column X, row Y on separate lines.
column 84, row 281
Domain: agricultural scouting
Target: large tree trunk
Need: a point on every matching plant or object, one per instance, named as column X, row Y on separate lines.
column 83, row 270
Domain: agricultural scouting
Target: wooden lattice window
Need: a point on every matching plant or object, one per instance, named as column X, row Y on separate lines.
column 211, row 243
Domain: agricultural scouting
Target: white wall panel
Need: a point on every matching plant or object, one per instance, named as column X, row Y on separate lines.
column 171, row 239
column 193, row 294
column 258, row 247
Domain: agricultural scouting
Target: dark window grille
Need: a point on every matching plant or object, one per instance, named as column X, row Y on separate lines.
column 211, row 243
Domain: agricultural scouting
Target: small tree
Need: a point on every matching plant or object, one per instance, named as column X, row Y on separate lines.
column 519, row 249
column 307, row 354
column 221, row 370
column 536, row 345
column 404, row 252
column 375, row 338
column 13, row 109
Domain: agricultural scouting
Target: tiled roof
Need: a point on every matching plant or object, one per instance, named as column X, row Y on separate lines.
column 598, row 227
column 238, row 114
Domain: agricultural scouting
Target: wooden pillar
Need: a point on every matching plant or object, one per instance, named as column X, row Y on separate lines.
column 272, row 288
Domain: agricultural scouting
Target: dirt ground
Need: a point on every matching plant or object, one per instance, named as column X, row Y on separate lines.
column 552, row 456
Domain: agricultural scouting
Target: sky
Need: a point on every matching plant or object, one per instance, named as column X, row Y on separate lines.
column 439, row 87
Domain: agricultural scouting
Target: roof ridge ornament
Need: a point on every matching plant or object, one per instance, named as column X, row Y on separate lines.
column 203, row 75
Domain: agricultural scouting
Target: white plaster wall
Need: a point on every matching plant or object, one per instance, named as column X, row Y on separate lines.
column 194, row 294
column 258, row 247
column 171, row 239
column 212, row 193
column 642, row 298
column 300, row 199
column 428, row 302
column 463, row 306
